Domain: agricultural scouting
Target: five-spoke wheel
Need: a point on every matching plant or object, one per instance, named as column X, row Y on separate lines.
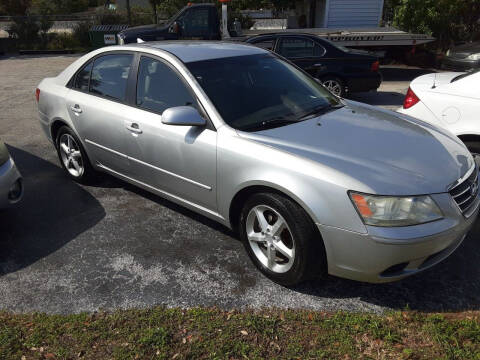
column 270, row 238
column 281, row 239
column 72, row 156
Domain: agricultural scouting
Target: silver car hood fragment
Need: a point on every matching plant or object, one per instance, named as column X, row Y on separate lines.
column 391, row 154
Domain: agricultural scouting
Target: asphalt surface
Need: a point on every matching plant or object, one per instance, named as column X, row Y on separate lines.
column 71, row 248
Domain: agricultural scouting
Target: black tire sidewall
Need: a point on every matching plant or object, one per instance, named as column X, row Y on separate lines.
column 88, row 170
column 308, row 244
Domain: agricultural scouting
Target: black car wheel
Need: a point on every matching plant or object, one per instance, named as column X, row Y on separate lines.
column 334, row 85
column 281, row 239
column 73, row 157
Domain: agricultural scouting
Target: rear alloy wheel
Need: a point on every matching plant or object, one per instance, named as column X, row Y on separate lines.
column 334, row 85
column 281, row 240
column 72, row 156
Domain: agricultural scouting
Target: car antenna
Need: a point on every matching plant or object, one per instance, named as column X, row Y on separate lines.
column 140, row 41
column 434, row 81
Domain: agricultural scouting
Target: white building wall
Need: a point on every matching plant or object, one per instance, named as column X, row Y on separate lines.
column 353, row 13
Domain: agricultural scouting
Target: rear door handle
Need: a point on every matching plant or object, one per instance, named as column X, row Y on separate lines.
column 133, row 127
column 76, row 109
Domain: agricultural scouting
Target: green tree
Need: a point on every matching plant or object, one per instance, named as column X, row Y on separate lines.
column 14, row 7
column 447, row 20
column 52, row 7
column 154, row 4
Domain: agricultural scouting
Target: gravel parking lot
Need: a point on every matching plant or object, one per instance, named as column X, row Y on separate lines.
column 70, row 248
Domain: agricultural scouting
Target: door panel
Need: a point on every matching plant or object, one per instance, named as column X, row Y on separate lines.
column 180, row 160
column 95, row 108
column 305, row 53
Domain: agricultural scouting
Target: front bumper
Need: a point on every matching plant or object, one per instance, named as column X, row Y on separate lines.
column 9, row 176
column 389, row 254
column 455, row 64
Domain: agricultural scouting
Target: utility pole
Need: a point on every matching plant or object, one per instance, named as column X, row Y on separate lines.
column 129, row 13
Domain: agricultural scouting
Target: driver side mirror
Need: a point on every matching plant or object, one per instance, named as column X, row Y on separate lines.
column 183, row 116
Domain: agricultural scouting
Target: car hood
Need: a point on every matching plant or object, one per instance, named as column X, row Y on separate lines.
column 4, row 156
column 389, row 153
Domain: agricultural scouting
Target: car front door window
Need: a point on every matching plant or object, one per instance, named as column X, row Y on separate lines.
column 159, row 87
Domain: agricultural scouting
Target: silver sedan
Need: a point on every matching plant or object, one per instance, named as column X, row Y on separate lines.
column 313, row 183
column 11, row 183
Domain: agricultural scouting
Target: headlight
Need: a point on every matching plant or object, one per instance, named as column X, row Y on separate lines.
column 395, row 211
column 474, row 57
column 448, row 52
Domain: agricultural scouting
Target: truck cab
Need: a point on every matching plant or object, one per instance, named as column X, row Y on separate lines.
column 196, row 21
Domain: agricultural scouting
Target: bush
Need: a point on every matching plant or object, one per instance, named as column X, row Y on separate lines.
column 25, row 30
column 63, row 41
column 80, row 33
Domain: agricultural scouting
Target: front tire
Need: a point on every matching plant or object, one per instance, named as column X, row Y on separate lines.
column 72, row 156
column 281, row 239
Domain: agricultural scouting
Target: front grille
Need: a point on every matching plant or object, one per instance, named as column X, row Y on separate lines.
column 465, row 193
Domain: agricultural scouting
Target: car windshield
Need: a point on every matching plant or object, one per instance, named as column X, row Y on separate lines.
column 256, row 91
column 465, row 75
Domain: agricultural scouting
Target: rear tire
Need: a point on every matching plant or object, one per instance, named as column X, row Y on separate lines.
column 335, row 85
column 72, row 156
column 281, row 239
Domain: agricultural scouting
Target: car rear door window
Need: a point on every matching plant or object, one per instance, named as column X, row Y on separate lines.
column 300, row 47
column 110, row 76
column 265, row 44
column 159, row 87
column 83, row 77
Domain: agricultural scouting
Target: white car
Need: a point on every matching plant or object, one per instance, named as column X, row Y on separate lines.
column 450, row 100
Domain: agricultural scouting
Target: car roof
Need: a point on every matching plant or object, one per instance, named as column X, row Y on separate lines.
column 190, row 51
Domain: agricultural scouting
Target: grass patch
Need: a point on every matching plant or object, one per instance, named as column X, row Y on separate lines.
column 201, row 333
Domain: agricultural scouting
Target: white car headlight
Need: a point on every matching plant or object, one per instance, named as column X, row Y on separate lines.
column 474, row 56
column 386, row 211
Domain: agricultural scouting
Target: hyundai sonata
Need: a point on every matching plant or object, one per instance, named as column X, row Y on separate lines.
column 312, row 182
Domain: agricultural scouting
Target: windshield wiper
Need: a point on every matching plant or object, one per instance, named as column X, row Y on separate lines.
column 320, row 110
column 273, row 122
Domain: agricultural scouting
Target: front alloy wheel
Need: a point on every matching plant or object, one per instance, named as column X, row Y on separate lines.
column 270, row 238
column 281, row 239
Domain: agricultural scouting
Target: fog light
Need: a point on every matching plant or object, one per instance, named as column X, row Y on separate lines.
column 15, row 191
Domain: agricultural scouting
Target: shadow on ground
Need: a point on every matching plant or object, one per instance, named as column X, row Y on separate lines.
column 379, row 98
column 53, row 212
column 396, row 73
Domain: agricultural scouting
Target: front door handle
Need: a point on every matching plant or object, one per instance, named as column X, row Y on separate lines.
column 318, row 65
column 76, row 109
column 133, row 127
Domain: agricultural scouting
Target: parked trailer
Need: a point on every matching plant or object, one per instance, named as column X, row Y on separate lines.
column 202, row 22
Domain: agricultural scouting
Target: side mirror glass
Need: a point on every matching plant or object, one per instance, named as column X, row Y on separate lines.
column 183, row 116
